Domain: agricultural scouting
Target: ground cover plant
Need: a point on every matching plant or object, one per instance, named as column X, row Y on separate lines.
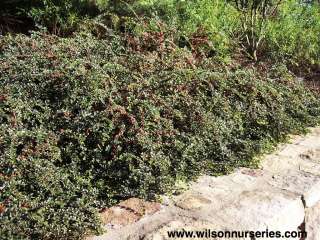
column 97, row 109
column 85, row 123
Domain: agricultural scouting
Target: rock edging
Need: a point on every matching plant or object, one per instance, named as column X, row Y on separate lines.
column 283, row 195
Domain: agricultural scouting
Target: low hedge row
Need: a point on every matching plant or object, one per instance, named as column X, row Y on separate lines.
column 85, row 123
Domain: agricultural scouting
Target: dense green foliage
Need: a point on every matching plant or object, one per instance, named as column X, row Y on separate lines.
column 86, row 122
column 294, row 35
column 287, row 31
column 114, row 99
column 61, row 17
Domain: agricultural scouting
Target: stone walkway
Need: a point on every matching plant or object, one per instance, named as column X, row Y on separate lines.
column 284, row 195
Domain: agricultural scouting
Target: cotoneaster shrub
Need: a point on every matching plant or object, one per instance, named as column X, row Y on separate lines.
column 85, row 123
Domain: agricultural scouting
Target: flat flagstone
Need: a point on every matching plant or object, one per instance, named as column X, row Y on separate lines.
column 283, row 195
column 313, row 222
